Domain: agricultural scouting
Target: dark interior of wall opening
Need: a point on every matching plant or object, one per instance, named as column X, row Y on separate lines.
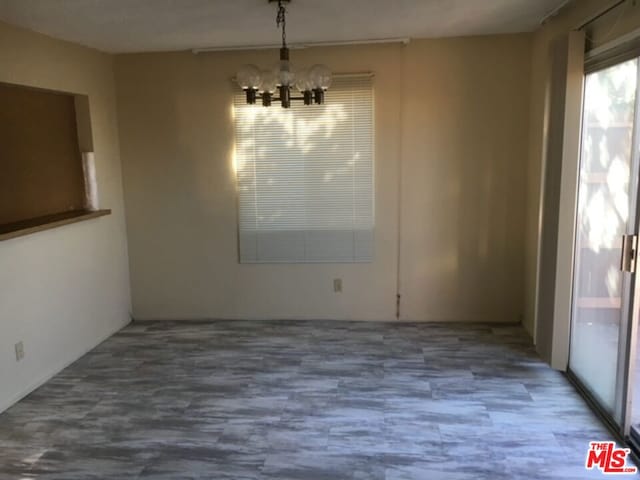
column 41, row 173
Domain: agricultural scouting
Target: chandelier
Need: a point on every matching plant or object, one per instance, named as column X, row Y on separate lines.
column 263, row 84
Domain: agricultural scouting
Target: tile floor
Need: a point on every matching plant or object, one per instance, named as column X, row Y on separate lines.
column 301, row 400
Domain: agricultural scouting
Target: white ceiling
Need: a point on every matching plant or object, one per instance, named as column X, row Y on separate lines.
column 157, row 25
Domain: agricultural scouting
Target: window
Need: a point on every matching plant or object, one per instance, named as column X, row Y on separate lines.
column 305, row 177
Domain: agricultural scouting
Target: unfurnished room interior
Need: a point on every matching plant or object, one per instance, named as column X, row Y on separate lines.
column 319, row 240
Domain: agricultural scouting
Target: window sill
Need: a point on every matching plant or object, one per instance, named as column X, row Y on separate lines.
column 34, row 225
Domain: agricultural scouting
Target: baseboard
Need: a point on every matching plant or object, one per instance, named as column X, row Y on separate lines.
column 56, row 370
column 299, row 319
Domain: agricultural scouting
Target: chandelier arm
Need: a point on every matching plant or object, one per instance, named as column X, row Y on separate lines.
column 277, row 98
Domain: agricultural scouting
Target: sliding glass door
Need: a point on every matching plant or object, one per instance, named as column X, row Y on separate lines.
column 604, row 258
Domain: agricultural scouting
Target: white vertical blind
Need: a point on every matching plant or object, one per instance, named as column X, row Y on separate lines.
column 305, row 177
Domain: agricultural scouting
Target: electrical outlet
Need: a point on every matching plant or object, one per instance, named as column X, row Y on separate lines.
column 337, row 285
column 19, row 351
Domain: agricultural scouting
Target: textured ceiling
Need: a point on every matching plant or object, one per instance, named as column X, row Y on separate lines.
column 157, row 25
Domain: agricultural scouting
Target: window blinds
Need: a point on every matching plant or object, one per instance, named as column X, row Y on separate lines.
column 305, row 177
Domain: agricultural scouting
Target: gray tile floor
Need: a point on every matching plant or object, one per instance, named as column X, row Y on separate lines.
column 302, row 400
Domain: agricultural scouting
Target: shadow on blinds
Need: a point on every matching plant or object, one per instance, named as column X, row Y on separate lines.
column 305, row 178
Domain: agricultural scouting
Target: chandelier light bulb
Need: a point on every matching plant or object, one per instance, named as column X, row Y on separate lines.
column 320, row 76
column 248, row 77
column 269, row 82
column 303, row 82
column 285, row 76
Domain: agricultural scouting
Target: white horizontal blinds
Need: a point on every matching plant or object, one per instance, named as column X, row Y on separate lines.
column 305, row 177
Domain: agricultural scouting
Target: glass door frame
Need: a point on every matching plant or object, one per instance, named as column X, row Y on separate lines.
column 630, row 292
column 628, row 365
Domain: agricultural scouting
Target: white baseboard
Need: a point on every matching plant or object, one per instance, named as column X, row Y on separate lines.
column 311, row 319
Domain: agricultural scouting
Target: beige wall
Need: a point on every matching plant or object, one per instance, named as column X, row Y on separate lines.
column 451, row 130
column 609, row 27
column 464, row 161
column 64, row 290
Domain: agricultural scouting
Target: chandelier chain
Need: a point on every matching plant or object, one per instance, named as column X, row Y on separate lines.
column 282, row 20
